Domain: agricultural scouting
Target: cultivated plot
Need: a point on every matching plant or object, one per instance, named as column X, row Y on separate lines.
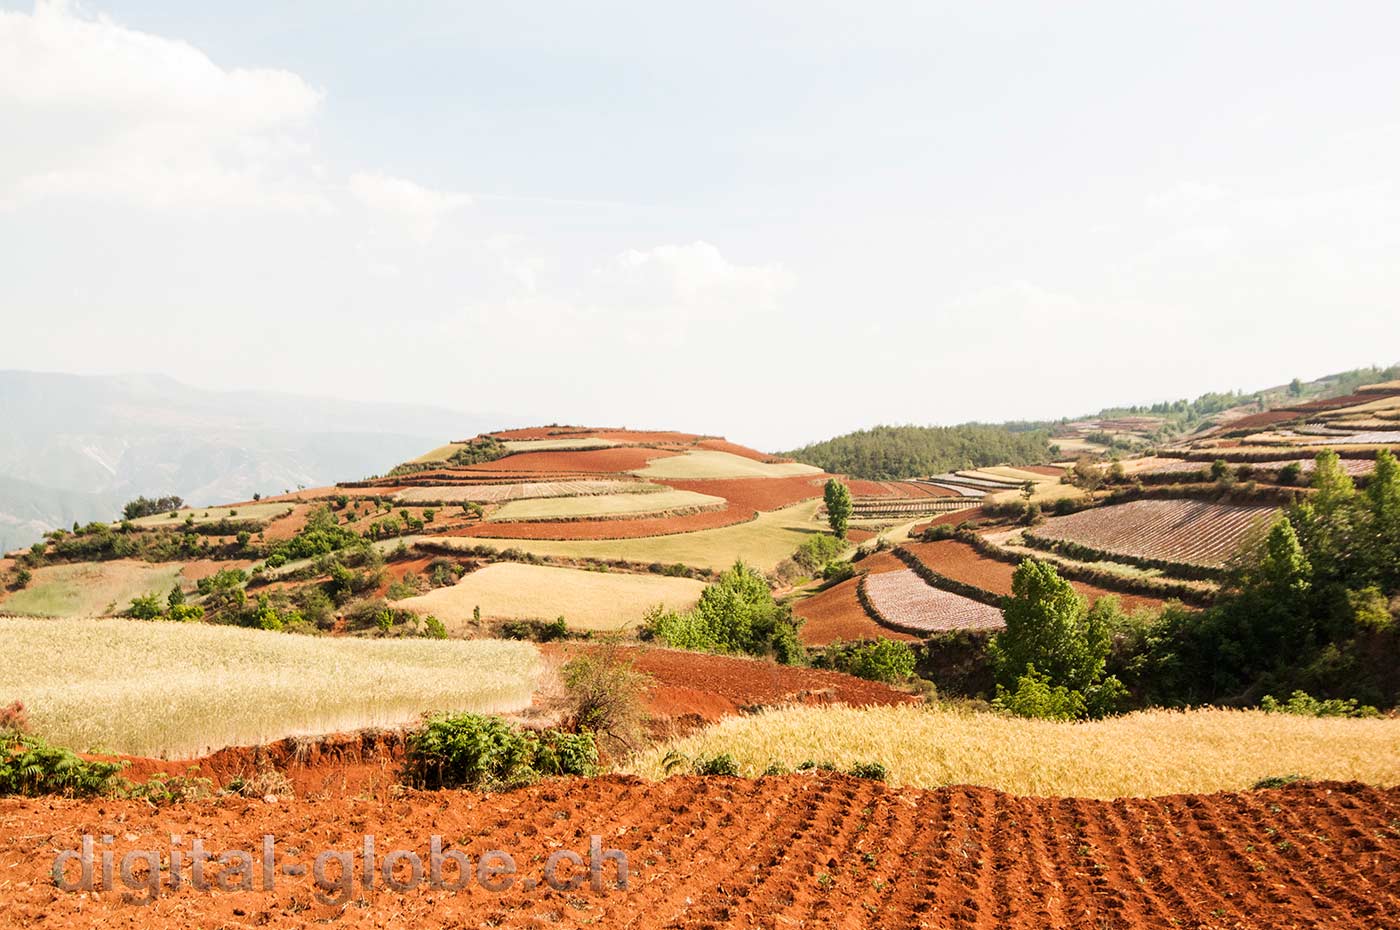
column 179, row 690
column 89, row 589
column 711, row 463
column 606, row 505
column 587, row 600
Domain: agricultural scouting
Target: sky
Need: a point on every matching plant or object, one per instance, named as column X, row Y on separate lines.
column 775, row 221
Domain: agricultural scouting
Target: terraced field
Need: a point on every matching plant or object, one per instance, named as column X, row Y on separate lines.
column 712, row 463
column 89, row 589
column 486, row 493
column 905, row 602
column 1184, row 532
column 606, row 505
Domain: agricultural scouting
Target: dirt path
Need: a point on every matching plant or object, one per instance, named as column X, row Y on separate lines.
column 786, row 852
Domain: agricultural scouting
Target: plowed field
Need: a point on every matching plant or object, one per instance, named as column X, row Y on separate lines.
column 780, row 852
column 906, row 602
column 1182, row 531
column 613, row 529
column 600, row 461
column 755, row 493
column 837, row 614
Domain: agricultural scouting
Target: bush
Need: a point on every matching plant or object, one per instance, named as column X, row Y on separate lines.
column 818, row 550
column 146, row 607
column 480, row 752
column 605, row 695
column 1302, row 704
column 1035, row 696
column 722, row 764
column 871, row 770
column 149, row 507
column 434, row 628
column 30, row 767
column 737, row 613
column 538, row 631
column 884, row 660
column 185, row 613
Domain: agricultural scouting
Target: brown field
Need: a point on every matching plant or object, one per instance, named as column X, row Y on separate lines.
column 960, row 562
column 522, row 490
column 598, row 461
column 904, row 601
column 837, row 615
column 1182, row 531
column 780, row 852
column 611, row 529
column 723, row 445
column 861, row 488
column 755, row 493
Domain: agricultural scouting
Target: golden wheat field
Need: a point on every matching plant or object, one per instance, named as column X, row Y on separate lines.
column 587, row 600
column 178, row 690
column 1143, row 754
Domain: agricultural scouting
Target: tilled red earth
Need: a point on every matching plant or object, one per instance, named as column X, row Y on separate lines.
column 781, row 852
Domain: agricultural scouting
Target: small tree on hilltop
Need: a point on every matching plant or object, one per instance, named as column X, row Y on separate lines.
column 838, row 506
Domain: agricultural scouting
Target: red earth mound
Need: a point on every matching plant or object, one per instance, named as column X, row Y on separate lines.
column 692, row 683
column 780, row 852
column 756, row 493
column 837, row 615
column 595, row 461
column 611, row 529
column 960, row 562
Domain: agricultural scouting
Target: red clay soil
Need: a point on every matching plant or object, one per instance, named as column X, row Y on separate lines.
column 755, row 493
column 594, row 461
column 836, row 614
column 207, row 568
column 857, row 535
column 328, row 493
column 690, row 684
column 1047, row 470
column 960, row 562
column 625, row 435
column 610, row 529
column 956, row 517
column 791, row 851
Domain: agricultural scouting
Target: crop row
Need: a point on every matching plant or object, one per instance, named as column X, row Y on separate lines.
column 903, row 601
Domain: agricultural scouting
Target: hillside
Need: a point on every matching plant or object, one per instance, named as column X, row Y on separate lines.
column 75, row 448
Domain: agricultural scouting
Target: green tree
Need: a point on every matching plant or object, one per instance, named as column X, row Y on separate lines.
column 1051, row 633
column 176, row 597
column 838, row 506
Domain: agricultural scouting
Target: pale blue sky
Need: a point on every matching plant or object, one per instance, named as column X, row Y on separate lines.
column 776, row 221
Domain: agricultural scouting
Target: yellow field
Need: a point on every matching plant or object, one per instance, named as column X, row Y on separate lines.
column 709, row 463
column 762, row 543
column 179, row 690
column 89, row 589
column 604, row 505
column 1045, row 491
column 554, row 445
column 440, row 454
column 586, row 600
column 1143, row 754
column 261, row 512
column 1015, row 474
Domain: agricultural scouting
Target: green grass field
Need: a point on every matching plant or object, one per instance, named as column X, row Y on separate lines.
column 88, row 589
column 178, row 690
column 603, row 505
column 762, row 543
column 709, row 463
column 586, row 600
column 260, row 512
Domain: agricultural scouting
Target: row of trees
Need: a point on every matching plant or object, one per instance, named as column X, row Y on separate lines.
column 890, row 452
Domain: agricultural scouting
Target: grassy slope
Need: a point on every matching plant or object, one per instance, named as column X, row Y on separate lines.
column 261, row 512
column 554, row 508
column 763, row 542
column 586, row 600
column 1142, row 754
column 154, row 688
column 87, row 589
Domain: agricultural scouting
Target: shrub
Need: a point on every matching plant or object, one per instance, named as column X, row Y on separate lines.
column 30, row 767
column 722, row 764
column 538, row 631
column 1303, row 704
column 434, row 628
column 605, row 695
column 1035, row 696
column 185, row 613
column 884, row 660
column 817, row 551
column 737, row 613
column 872, row 770
column 149, row 507
column 480, row 752
column 146, row 607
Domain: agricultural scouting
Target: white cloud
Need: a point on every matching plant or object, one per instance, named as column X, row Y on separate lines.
column 684, row 279
column 95, row 109
column 418, row 207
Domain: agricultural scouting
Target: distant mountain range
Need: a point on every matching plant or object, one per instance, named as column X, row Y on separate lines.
column 74, row 447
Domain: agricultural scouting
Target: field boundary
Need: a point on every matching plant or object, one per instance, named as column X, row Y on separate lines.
column 936, row 580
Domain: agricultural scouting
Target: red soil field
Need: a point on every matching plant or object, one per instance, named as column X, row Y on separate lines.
column 690, row 684
column 780, row 852
column 328, row 493
column 960, row 562
column 1049, row 470
column 204, row 568
column 837, row 615
column 623, row 435
column 618, row 459
column 897, row 489
column 610, row 529
column 755, row 493
column 956, row 517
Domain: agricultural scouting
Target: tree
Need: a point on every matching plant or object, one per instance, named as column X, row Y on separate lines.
column 146, row 506
column 1053, row 639
column 838, row 506
column 176, row 597
column 1295, row 388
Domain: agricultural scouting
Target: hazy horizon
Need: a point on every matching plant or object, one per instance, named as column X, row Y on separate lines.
column 776, row 222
